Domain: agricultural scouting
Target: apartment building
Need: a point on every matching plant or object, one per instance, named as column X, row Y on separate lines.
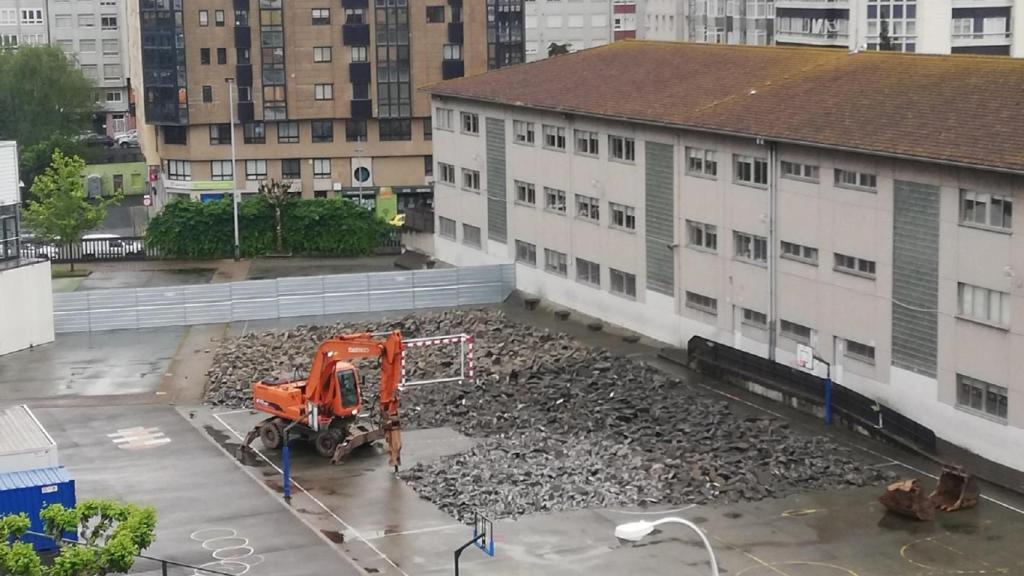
column 555, row 24
column 325, row 94
column 932, row 26
column 94, row 34
column 740, row 206
column 22, row 22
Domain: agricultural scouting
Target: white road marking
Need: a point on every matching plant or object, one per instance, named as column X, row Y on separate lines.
column 138, row 438
column 420, row 531
column 348, row 528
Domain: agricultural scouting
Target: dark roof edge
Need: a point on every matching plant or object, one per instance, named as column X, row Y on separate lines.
column 706, row 130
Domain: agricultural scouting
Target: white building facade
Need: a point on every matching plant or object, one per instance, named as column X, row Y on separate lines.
column 22, row 23
column 669, row 232
column 94, row 34
column 576, row 24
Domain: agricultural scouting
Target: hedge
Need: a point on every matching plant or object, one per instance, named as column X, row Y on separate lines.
column 322, row 227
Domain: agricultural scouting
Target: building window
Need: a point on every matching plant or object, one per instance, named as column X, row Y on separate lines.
column 470, row 123
column 435, row 14
column 207, row 93
column 287, row 132
column 323, row 91
column 854, row 265
column 523, row 132
column 981, row 209
column 445, row 118
column 556, row 262
column 750, row 248
column 218, row 18
column 554, row 200
column 621, row 148
column 321, row 16
column 554, row 137
column 860, row 352
column 108, row 22
column 113, row 96
column 222, row 55
column 428, row 128
column 446, row 227
column 255, row 169
column 394, row 129
column 86, row 20
column 526, row 193
column 622, row 283
column 471, row 235
column 355, row 130
column 204, row 56
column 179, row 170
column 984, row 305
column 470, row 180
column 111, row 47
column 795, row 332
column 321, row 54
column 856, row 180
column 447, row 173
column 428, row 166
column 586, row 142
column 111, row 71
column 358, row 54
column 982, row 396
column 526, row 253
column 588, row 272
column 588, row 208
column 87, row 45
column 321, row 168
column 291, row 169
column 204, row 17
column 798, row 171
column 175, row 134
column 255, row 133
column 702, row 303
column 701, row 235
column 756, row 319
column 452, row 52
column 88, row 70
column 220, row 133
column 32, row 16
column 323, row 130
column 800, row 253
column 221, row 170
column 355, row 16
column 623, row 216
column 750, row 170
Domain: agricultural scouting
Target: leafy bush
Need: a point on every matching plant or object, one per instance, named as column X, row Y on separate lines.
column 195, row 230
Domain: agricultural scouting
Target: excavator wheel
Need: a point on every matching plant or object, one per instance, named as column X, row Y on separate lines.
column 270, row 435
column 327, row 441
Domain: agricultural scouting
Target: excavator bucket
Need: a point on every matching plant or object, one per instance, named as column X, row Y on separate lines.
column 906, row 498
column 956, row 490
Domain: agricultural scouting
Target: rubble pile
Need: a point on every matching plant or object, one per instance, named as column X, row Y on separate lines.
column 563, row 425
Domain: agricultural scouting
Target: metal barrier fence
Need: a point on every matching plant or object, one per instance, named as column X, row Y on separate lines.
column 132, row 308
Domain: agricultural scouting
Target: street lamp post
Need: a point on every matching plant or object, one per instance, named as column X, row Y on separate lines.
column 234, row 180
column 635, row 531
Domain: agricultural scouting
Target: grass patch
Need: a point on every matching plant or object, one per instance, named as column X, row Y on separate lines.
column 65, row 271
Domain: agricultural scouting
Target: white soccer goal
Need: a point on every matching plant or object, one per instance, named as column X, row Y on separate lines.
column 461, row 346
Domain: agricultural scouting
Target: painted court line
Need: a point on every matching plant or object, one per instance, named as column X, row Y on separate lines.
column 420, row 531
column 344, row 524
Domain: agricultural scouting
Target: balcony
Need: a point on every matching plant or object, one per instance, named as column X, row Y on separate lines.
column 362, row 109
column 243, row 73
column 982, row 39
column 359, row 72
column 812, row 38
column 243, row 37
column 455, row 34
column 246, row 112
column 452, row 69
column 355, row 34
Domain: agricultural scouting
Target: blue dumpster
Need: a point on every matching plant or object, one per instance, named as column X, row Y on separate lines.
column 29, row 492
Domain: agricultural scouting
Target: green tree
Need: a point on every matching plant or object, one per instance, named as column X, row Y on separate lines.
column 111, row 535
column 61, row 212
column 42, row 94
column 277, row 194
column 35, row 158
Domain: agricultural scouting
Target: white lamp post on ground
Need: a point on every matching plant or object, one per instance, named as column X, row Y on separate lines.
column 636, row 531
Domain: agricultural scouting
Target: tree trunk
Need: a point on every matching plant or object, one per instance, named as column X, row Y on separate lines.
column 277, row 221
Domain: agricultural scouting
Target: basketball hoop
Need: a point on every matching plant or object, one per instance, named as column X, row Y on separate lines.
column 805, row 357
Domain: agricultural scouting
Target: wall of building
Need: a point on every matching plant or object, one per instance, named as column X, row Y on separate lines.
column 661, row 20
column 842, row 309
column 581, row 25
column 26, row 306
column 20, row 24
column 132, row 175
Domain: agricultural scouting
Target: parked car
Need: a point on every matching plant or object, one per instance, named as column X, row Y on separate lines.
column 129, row 139
column 94, row 139
column 94, row 245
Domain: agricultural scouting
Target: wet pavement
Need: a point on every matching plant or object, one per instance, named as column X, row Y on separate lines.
column 209, row 512
column 121, row 362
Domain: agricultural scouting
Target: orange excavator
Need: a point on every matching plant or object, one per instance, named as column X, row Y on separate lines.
column 325, row 407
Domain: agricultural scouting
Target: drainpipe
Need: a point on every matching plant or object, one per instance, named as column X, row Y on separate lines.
column 773, row 243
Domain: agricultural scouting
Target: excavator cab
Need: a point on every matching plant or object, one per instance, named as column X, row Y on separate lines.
column 349, row 386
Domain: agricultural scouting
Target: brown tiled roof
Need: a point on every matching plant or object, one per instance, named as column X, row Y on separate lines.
column 957, row 109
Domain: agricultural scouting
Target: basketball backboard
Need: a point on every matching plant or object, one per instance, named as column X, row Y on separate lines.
column 484, row 525
column 805, row 357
